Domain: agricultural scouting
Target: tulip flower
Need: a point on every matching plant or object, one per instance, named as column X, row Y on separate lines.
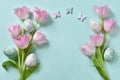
column 14, row 30
column 95, row 25
column 88, row 49
column 22, row 41
column 39, row 38
column 31, row 60
column 28, row 25
column 40, row 15
column 109, row 25
column 102, row 11
column 22, row 13
column 97, row 39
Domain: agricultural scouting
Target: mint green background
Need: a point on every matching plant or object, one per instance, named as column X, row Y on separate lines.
column 62, row 58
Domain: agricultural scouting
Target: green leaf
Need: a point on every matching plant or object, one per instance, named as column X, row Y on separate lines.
column 8, row 64
column 99, row 56
column 103, row 73
column 100, row 68
column 31, row 70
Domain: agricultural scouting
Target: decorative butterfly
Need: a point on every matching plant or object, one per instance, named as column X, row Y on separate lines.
column 56, row 14
column 69, row 10
column 81, row 17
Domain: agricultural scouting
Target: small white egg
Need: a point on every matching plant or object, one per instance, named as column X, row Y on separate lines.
column 31, row 60
column 109, row 54
column 28, row 25
column 10, row 52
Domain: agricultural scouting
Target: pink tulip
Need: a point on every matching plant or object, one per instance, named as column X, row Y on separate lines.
column 40, row 15
column 97, row 39
column 102, row 11
column 109, row 25
column 14, row 30
column 88, row 49
column 22, row 41
column 22, row 13
column 39, row 38
column 95, row 25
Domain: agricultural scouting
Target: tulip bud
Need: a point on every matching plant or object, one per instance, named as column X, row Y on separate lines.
column 22, row 41
column 88, row 49
column 95, row 25
column 97, row 39
column 109, row 25
column 40, row 15
column 28, row 25
column 102, row 11
column 39, row 38
column 109, row 54
column 10, row 52
column 22, row 13
column 31, row 60
column 14, row 30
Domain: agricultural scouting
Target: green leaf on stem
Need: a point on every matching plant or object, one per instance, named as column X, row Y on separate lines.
column 102, row 72
column 100, row 68
column 99, row 58
column 9, row 63
column 31, row 70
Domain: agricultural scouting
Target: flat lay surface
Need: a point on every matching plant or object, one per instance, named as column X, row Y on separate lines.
column 61, row 58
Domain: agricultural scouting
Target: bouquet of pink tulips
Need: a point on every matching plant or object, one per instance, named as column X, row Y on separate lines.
column 25, row 37
column 97, row 47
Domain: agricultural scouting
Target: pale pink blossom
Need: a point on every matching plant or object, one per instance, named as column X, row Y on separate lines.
column 39, row 38
column 102, row 11
column 22, row 41
column 40, row 15
column 95, row 25
column 22, row 13
column 97, row 39
column 88, row 49
column 14, row 30
column 109, row 25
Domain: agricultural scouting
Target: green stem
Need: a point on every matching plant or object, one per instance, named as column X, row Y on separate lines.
column 23, row 27
column 22, row 73
column 36, row 24
column 102, row 26
column 19, row 58
column 105, row 39
column 105, row 42
column 29, row 49
column 102, row 73
column 31, row 45
column 22, row 77
column 100, row 68
column 23, row 56
column 100, row 56
column 22, row 69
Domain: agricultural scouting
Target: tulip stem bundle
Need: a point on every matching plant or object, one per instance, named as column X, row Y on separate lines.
column 96, row 48
column 22, row 67
column 25, row 37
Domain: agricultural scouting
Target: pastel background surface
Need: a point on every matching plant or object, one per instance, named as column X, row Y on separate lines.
column 61, row 59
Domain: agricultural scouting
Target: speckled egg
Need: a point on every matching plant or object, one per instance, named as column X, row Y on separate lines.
column 109, row 54
column 28, row 25
column 10, row 52
column 31, row 60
